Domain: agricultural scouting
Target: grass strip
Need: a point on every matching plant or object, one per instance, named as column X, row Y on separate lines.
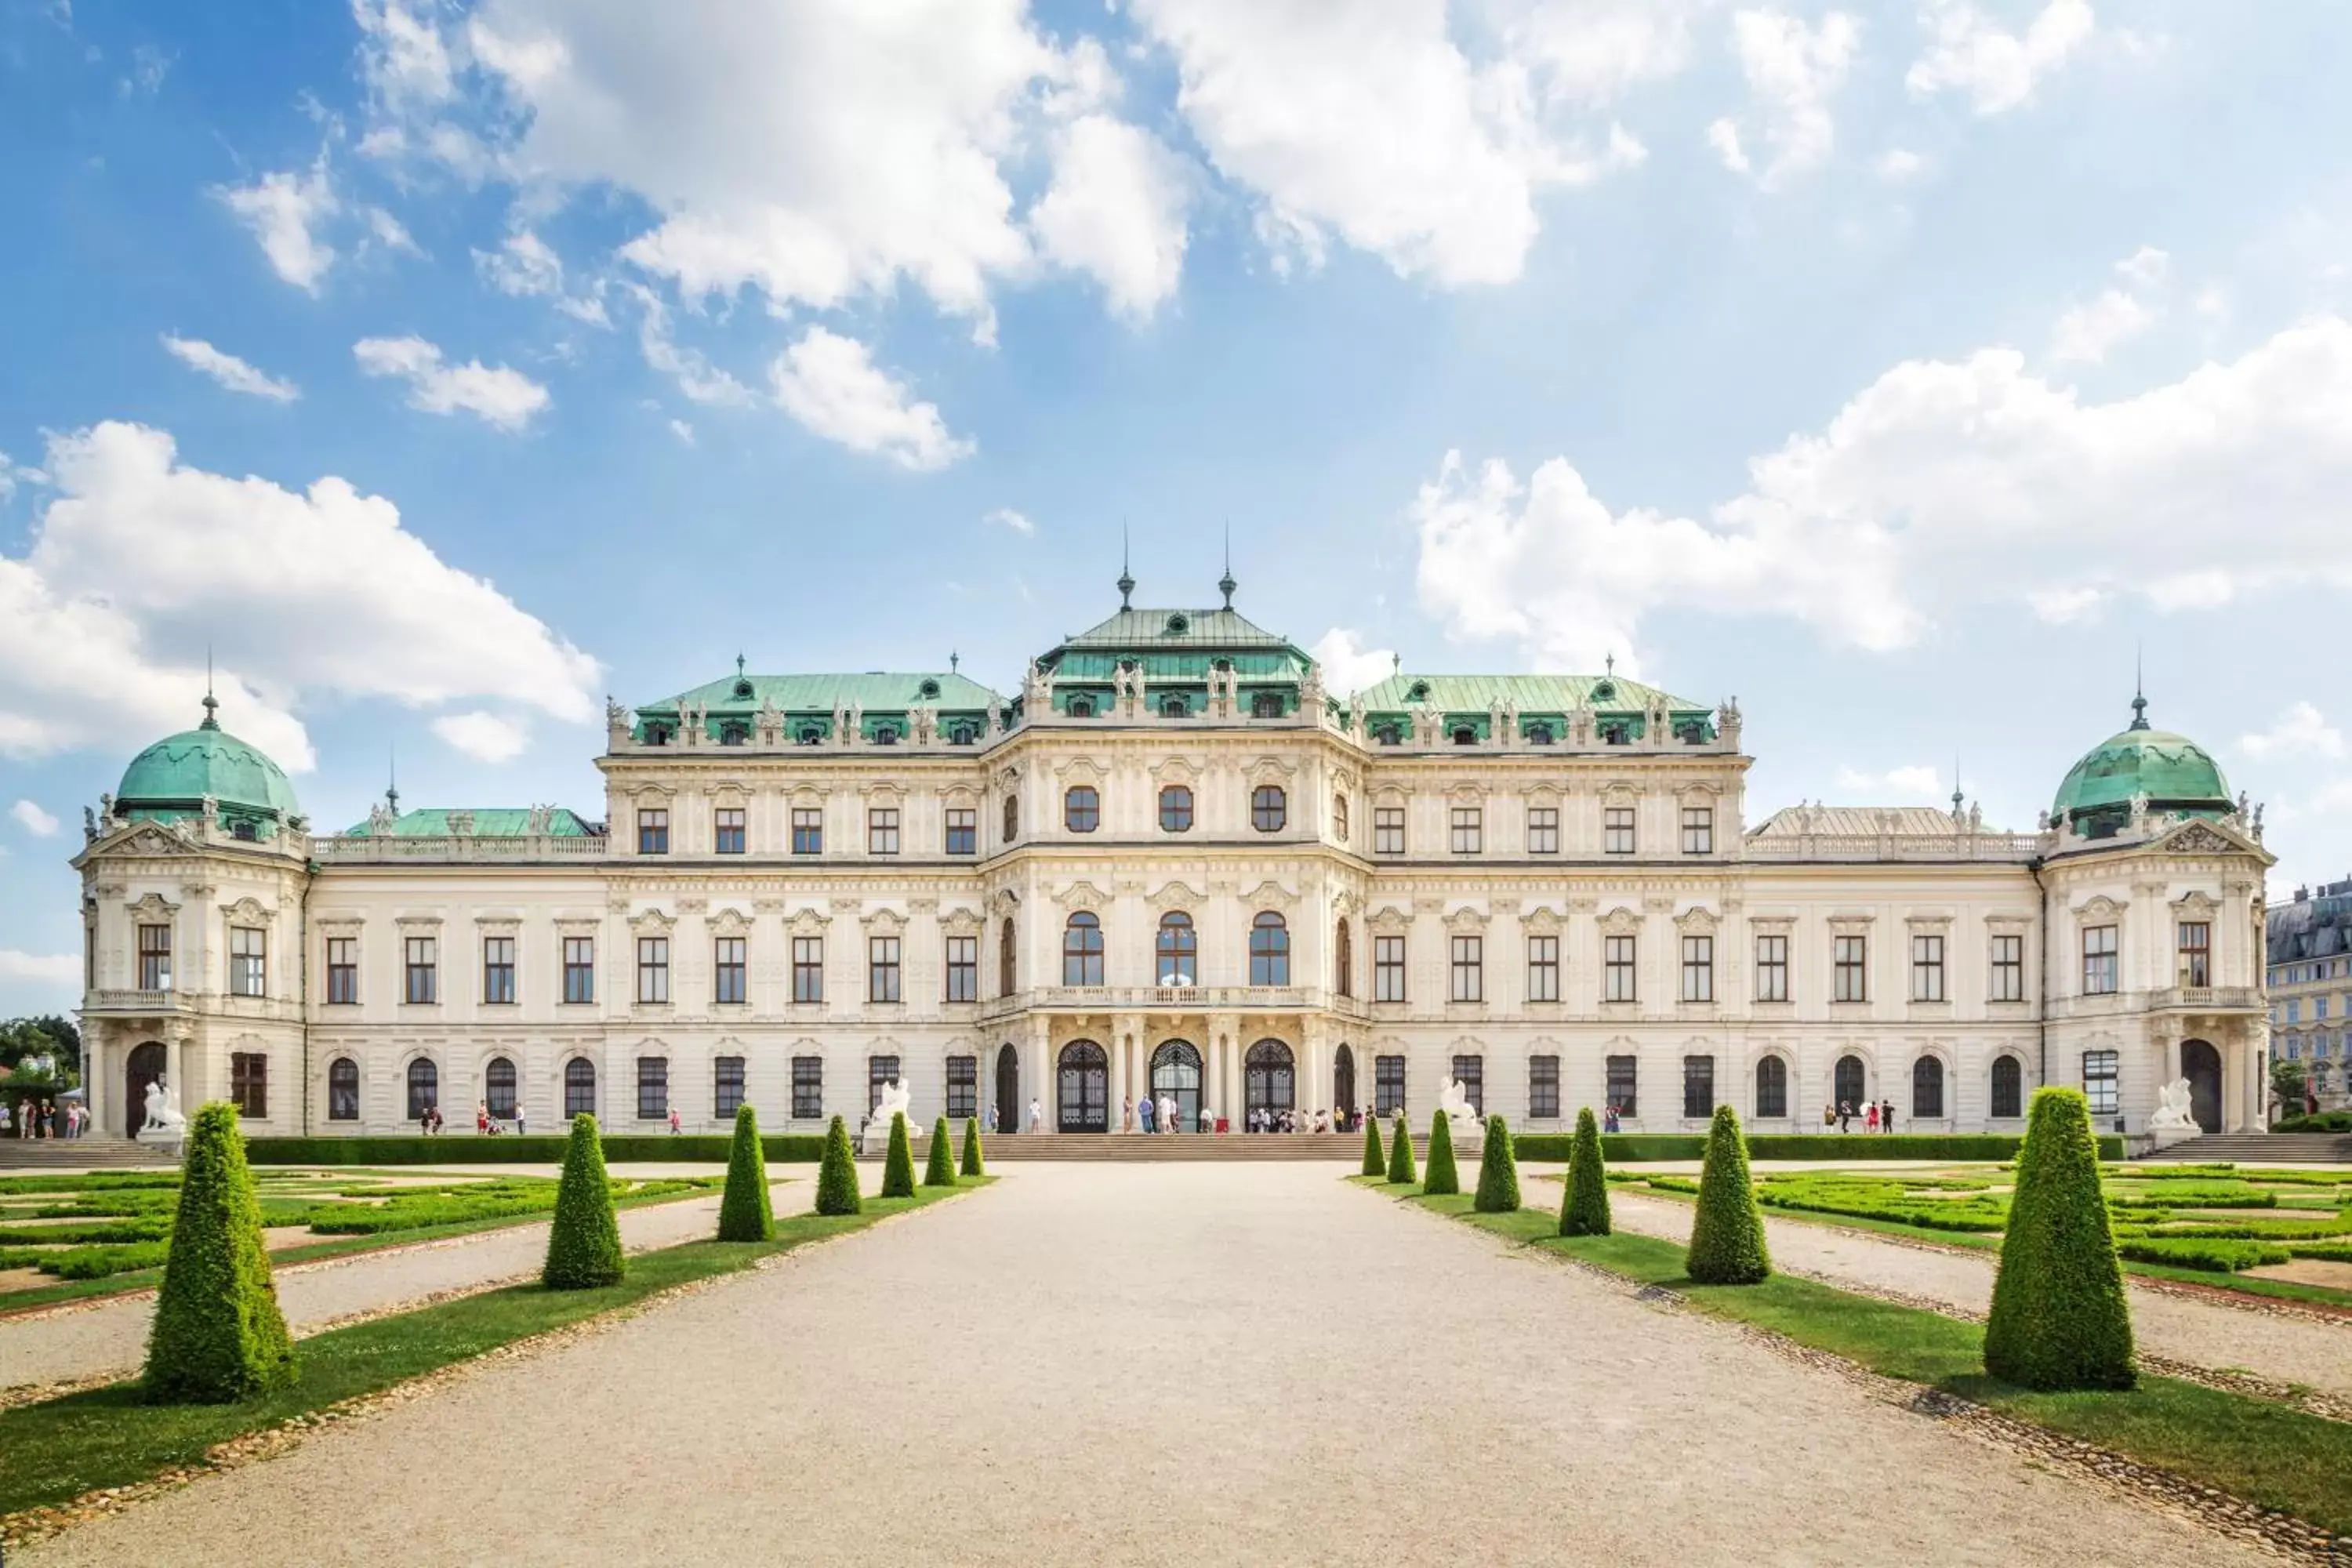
column 2269, row 1453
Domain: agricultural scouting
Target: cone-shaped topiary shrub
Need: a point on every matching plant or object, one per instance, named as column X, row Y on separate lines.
column 1400, row 1155
column 938, row 1168
column 1498, row 1172
column 836, row 1174
column 745, row 1210
column 1375, row 1162
column 1726, row 1244
column 898, row 1163
column 1441, row 1176
column 584, row 1244
column 1584, row 1207
column 218, row 1335
column 2060, row 1318
column 972, row 1164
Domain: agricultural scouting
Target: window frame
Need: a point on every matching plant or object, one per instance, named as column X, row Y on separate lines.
column 1699, row 1088
column 1175, row 808
column 882, row 830
column 579, row 1087
column 1543, row 830
column 1081, row 808
column 1927, row 978
column 1698, row 969
column 653, row 970
column 808, row 830
column 2006, row 982
column 342, row 972
column 343, row 1089
column 885, row 967
column 1388, row 1085
column 727, row 829
column 1772, row 1099
column 1387, row 830
column 961, row 980
column 1543, row 1088
column 1543, row 966
column 501, row 1091
column 1698, row 830
column 962, row 830
column 726, row 1088
column 248, row 970
column 808, row 971
column 1619, row 829
column 1465, row 966
column 579, row 971
column 499, row 971
column 1466, row 829
column 420, row 971
column 1176, row 949
column 1269, row 948
column 1849, row 969
column 154, row 957
column 2194, row 965
column 653, row 830
column 1269, row 808
column 653, row 1088
column 1772, row 966
column 808, row 1088
column 1620, row 974
column 1388, row 967
column 2102, row 1081
column 249, row 1084
column 1470, row 1071
column 1082, row 949
column 1625, row 1071
column 962, row 1088
column 730, row 971
column 2102, row 960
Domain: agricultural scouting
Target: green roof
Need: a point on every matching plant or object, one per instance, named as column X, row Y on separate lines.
column 2173, row 772
column 1138, row 630
column 172, row 777
column 1526, row 693
column 888, row 692
column 489, row 822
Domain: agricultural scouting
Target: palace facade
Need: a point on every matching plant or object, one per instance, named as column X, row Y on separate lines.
column 1171, row 862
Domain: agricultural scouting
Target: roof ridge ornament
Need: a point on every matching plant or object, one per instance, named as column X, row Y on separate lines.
column 212, row 705
column 1125, row 577
column 1226, row 583
column 2139, row 692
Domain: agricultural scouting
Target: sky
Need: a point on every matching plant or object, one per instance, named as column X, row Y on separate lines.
column 1914, row 373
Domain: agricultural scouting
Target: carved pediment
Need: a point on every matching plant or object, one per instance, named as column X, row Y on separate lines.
column 1269, row 771
column 1270, row 895
column 1083, row 896
column 886, row 922
column 1176, row 771
column 651, row 923
column 1467, row 918
column 1542, row 920
column 1389, row 920
column 1621, row 921
column 149, row 838
column 152, row 909
column 2195, row 904
column 1079, row 771
column 1465, row 792
column 1175, row 895
column 248, row 911
column 2099, row 910
column 2202, row 839
column 1697, row 921
column 730, row 922
column 962, row 920
column 1003, row 902
column 807, row 921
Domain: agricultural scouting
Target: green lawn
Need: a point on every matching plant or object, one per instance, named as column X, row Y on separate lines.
column 58, row 1450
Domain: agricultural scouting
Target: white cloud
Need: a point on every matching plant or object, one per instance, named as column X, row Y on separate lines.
column 229, row 371
column 1792, row 70
column 2085, row 333
column 832, row 386
column 682, row 430
column 483, row 736
column 32, row 819
column 50, row 971
column 284, row 211
column 1593, row 52
column 1115, row 211
column 404, row 59
column 494, row 393
column 1005, row 517
column 1723, row 135
column 526, row 266
column 1898, row 163
column 1917, row 786
column 141, row 562
column 388, row 231
column 1968, row 52
column 1348, row 666
column 694, row 374
column 2146, row 267
column 1942, row 484
column 2301, row 730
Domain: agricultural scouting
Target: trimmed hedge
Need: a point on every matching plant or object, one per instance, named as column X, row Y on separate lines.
column 584, row 1243
column 1584, row 1206
column 1375, row 1162
column 1441, row 1175
column 218, row 1335
column 1401, row 1154
column 898, row 1160
column 746, row 1212
column 837, row 1176
column 1726, row 1241
column 939, row 1166
column 972, row 1164
column 788, row 1148
column 2214, row 1256
column 2325, row 1122
column 1633, row 1148
column 1498, row 1176
column 2060, row 1319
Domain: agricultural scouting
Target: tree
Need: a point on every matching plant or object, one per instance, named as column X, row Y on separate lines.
column 1401, row 1171
column 584, row 1244
column 1441, row 1176
column 899, row 1162
column 1374, row 1164
column 1498, row 1172
column 836, row 1174
column 2289, row 1086
column 938, row 1168
column 2060, row 1318
column 1584, row 1207
column 219, row 1334
column 1726, row 1244
column 746, row 1212
column 972, row 1164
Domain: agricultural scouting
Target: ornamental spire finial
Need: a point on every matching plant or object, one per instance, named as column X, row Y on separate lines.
column 211, row 703
column 392, row 779
column 1226, row 583
column 1125, row 577
column 2139, row 693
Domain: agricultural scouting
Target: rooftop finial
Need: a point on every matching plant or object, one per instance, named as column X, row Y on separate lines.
column 1956, row 784
column 955, row 661
column 2139, row 693
column 738, row 663
column 1609, row 663
column 1125, row 577
column 211, row 703
column 392, row 779
column 1226, row 583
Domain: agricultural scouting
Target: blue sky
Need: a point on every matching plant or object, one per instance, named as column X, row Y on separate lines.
column 1901, row 369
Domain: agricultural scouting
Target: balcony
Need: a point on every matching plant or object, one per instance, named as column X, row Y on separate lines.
column 2208, row 999
column 1175, row 999
column 135, row 1003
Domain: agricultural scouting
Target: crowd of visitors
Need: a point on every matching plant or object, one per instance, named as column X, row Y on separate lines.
column 43, row 1119
column 1877, row 1117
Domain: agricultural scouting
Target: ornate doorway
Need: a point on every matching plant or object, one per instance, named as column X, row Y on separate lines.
column 1008, row 1088
column 2200, row 1064
column 1084, row 1099
column 145, row 1066
column 1343, row 1082
column 1176, row 1075
column 1269, row 1079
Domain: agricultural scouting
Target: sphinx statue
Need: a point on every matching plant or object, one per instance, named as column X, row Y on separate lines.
column 1454, row 1100
column 896, row 1101
column 2173, row 1113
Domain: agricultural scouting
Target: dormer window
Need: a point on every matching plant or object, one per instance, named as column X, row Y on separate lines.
column 964, row 733
column 885, row 734
column 243, row 828
column 1464, row 735
column 1082, row 708
column 656, row 734
column 1265, row 705
column 1173, row 706
column 743, row 688
column 811, row 735
column 930, row 688
column 1617, row 732
column 1539, row 735
column 733, row 735
column 1692, row 731
column 1604, row 691
column 1388, row 735
column 1178, row 626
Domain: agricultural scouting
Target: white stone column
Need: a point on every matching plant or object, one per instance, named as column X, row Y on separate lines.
column 1122, row 1043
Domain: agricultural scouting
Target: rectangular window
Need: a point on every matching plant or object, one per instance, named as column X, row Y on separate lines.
column 499, row 971
column 1388, row 830
column 1850, row 969
column 1543, row 830
column 882, row 830
column 1927, row 968
column 652, row 832
column 2099, row 1069
column 731, row 965
column 1543, row 969
column 1698, row 831
column 1617, row 830
column 1699, row 1088
column 2195, row 953
column 1469, row 829
column 1388, row 969
column 808, row 830
column 423, row 970
column 881, row 969
column 963, row 1087
column 963, row 830
column 1621, row 1084
column 1471, row 1072
column 2099, row 967
column 1388, row 1085
column 808, row 1087
column 248, row 960
column 1617, row 976
column 579, row 970
column 880, row 1070
column 727, row 1087
column 1772, row 968
column 963, row 969
column 808, row 969
column 1543, row 1088
column 1698, row 970
column 727, row 830
column 653, row 1088
column 249, row 1083
column 2008, row 968
column 343, row 971
column 1339, row 818
column 155, row 958
column 1469, row 969
column 653, row 969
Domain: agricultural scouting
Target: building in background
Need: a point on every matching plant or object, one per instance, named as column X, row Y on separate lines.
column 2310, row 977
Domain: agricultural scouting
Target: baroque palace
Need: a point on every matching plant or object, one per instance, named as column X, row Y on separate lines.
column 1171, row 863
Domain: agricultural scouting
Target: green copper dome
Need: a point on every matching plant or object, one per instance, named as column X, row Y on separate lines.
column 171, row 779
column 2173, row 772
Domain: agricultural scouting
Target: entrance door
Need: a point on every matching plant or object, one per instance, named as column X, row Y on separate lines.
column 1176, row 1075
column 1269, row 1079
column 2200, row 1064
column 146, row 1065
column 1008, row 1090
column 1084, row 1089
column 1343, row 1083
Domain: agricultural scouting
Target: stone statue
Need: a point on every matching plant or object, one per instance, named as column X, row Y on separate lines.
column 616, row 716
column 2173, row 1114
column 1311, row 694
column 164, row 1124
column 1036, row 689
column 88, row 825
column 2257, row 828
column 1454, row 1100
column 894, row 1102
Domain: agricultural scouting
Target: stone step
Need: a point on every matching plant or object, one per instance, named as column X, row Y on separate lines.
column 98, row 1153
column 2286, row 1148
column 1138, row 1146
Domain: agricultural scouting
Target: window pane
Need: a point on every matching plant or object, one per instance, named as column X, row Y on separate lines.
column 727, row 1087
column 1543, row 969
column 1699, row 1088
column 808, row 830
column 1543, row 830
column 1388, row 830
column 653, row 969
column 882, row 969
column 808, row 969
column 1543, row 1088
column 1081, row 809
column 1176, row 809
column 1468, row 969
column 1620, row 1085
column 653, row 1088
column 1772, row 969
column 1698, row 969
column 1388, row 1085
column 963, row 830
column 1388, row 969
column 808, row 1087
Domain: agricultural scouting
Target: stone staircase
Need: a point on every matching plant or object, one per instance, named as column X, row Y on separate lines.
column 97, row 1152
column 1140, row 1147
column 2276, row 1148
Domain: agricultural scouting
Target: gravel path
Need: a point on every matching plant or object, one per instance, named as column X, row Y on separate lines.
column 109, row 1337
column 2283, row 1350
column 1179, row 1364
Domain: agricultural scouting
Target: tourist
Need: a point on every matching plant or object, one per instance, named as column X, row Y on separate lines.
column 6, row 1126
column 481, row 1119
column 1148, row 1110
column 1829, row 1115
column 1886, row 1116
column 1036, row 1117
column 1845, row 1116
column 673, row 1122
column 1125, row 1115
column 425, row 1122
column 520, row 1128
column 1869, row 1116
column 1167, row 1113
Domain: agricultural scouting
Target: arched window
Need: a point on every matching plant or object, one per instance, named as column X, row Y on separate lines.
column 343, row 1089
column 1269, row 950
column 1265, row 705
column 885, row 734
column 1269, row 808
column 1175, row 808
column 1539, row 734
column 499, row 1088
column 1464, row 735
column 1927, row 1089
column 423, row 1086
column 1173, row 706
column 1269, row 1079
column 579, row 1087
column 1083, row 1080
column 963, row 733
column 1082, row 707
column 1389, row 734
column 1771, row 1089
column 1343, row 960
column 1082, row 950
column 1176, row 1075
column 1012, row 817
column 729, row 735
column 1849, row 1083
column 1005, row 971
column 1082, row 809
column 2008, row 1089
column 811, row 735
column 1339, row 817
column 1178, row 949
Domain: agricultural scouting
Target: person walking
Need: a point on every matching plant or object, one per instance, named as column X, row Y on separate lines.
column 1036, row 1117
column 674, row 1128
column 1869, row 1117
column 1125, row 1115
column 1886, row 1116
column 1145, row 1110
column 520, row 1128
column 1845, row 1116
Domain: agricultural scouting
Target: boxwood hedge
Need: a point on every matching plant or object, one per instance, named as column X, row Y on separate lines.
column 803, row 1148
